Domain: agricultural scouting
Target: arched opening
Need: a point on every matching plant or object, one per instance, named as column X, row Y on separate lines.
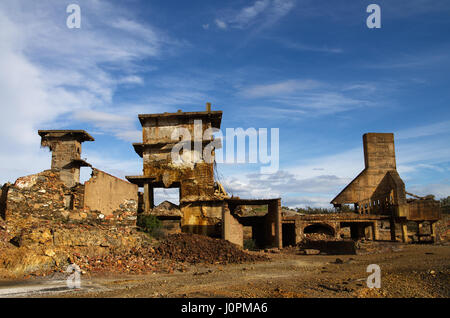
column 319, row 228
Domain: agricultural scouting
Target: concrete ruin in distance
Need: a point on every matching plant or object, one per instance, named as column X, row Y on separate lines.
column 378, row 195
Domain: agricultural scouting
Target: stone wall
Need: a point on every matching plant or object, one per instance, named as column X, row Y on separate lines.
column 40, row 196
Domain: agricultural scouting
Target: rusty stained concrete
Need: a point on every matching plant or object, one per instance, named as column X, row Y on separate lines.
column 379, row 189
column 203, row 204
column 378, row 193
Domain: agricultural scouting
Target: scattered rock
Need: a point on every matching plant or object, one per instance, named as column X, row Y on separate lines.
column 309, row 251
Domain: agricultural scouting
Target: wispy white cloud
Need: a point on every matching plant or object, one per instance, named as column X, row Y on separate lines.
column 221, row 24
column 308, row 97
column 248, row 14
column 121, row 126
column 425, row 130
column 50, row 72
column 310, row 48
column 294, row 189
column 112, row 164
column 261, row 14
column 419, row 59
column 314, row 181
column 439, row 190
column 283, row 87
column 131, row 79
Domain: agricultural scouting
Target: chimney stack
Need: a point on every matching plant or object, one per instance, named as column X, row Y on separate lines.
column 208, row 107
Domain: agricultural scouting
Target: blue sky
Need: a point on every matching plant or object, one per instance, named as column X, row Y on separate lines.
column 310, row 68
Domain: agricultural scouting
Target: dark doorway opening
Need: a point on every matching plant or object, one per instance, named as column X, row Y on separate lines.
column 288, row 234
column 319, row 228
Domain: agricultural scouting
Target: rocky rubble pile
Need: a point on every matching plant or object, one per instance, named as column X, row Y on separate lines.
column 4, row 236
column 192, row 248
column 42, row 252
column 132, row 261
column 45, row 198
column 172, row 254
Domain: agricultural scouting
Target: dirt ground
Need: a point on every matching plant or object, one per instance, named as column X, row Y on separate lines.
column 406, row 271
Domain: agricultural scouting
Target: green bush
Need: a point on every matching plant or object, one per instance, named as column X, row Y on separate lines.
column 149, row 224
column 250, row 245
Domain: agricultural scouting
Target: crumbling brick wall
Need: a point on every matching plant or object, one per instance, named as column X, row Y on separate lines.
column 43, row 197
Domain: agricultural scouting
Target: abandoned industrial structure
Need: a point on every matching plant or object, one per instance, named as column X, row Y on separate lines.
column 57, row 194
column 204, row 210
column 377, row 193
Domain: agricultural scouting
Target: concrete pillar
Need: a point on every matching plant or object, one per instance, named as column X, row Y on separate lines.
column 232, row 230
column 151, row 195
column 375, row 233
column 362, row 230
column 146, row 198
column 273, row 224
column 149, row 202
column 298, row 231
column 337, row 230
column 419, row 230
column 392, row 228
column 369, row 232
column 404, row 232
column 433, row 231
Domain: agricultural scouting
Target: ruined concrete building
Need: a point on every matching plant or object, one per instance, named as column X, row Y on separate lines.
column 65, row 146
column 379, row 191
column 203, row 211
column 378, row 195
column 58, row 195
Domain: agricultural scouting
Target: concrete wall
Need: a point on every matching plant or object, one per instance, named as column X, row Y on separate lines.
column 379, row 151
column 423, row 210
column 158, row 129
column 232, row 230
column 273, row 224
column 171, row 226
column 107, row 193
column 203, row 218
